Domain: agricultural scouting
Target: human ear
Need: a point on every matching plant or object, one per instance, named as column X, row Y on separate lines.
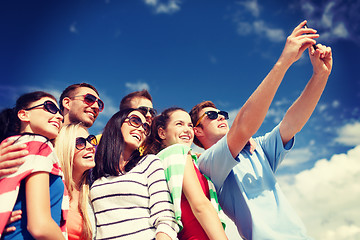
column 161, row 133
column 66, row 103
column 198, row 131
column 23, row 115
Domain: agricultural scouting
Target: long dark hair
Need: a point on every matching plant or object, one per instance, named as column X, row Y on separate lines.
column 9, row 122
column 154, row 144
column 111, row 146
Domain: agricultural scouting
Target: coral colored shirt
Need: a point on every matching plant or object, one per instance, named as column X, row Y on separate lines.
column 74, row 223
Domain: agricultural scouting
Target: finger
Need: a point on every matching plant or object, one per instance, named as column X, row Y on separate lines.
column 309, row 36
column 301, row 25
column 12, row 163
column 9, row 229
column 18, row 154
column 8, row 171
column 11, row 149
column 16, row 212
column 14, row 217
column 6, row 143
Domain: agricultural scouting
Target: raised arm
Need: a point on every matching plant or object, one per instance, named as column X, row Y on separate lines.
column 301, row 110
column 200, row 205
column 252, row 114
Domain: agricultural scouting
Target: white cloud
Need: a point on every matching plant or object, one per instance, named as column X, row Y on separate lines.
column 349, row 134
column 109, row 107
column 335, row 104
column 297, row 157
column 327, row 16
column 255, row 25
column 340, row 30
column 73, row 28
column 273, row 34
column 308, row 8
column 171, row 6
column 326, row 196
column 333, row 19
column 138, row 86
column 252, row 6
column 276, row 114
column 321, row 107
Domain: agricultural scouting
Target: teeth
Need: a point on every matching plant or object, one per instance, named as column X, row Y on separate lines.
column 91, row 114
column 136, row 136
column 185, row 137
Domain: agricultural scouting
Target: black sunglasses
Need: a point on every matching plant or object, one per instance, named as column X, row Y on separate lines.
column 90, row 99
column 150, row 110
column 135, row 121
column 48, row 105
column 212, row 115
column 80, row 142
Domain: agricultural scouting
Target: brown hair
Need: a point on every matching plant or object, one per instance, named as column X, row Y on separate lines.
column 194, row 114
column 125, row 101
column 154, row 144
column 70, row 90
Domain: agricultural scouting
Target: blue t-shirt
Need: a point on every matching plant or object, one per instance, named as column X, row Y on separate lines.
column 248, row 191
column 56, row 195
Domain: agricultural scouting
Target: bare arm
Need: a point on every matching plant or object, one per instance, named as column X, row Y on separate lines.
column 301, row 110
column 162, row 236
column 11, row 157
column 252, row 114
column 40, row 223
column 200, row 205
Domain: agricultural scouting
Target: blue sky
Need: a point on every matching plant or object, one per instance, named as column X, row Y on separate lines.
column 185, row 52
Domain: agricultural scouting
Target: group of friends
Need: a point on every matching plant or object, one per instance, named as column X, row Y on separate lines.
column 140, row 179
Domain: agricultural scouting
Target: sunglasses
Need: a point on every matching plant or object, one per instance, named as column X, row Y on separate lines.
column 212, row 115
column 135, row 121
column 48, row 105
column 80, row 142
column 150, row 110
column 90, row 99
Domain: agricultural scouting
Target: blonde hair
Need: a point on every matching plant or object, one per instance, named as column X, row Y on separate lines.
column 65, row 150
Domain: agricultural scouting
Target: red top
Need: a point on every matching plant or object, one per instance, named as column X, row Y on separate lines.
column 74, row 223
column 192, row 229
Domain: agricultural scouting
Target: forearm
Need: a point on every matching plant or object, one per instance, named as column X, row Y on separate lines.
column 253, row 112
column 209, row 220
column 45, row 229
column 162, row 236
column 300, row 111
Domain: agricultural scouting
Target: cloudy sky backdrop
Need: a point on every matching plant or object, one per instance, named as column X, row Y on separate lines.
column 185, row 52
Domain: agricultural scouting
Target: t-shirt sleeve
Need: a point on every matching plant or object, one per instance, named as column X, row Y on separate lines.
column 161, row 209
column 217, row 162
column 273, row 147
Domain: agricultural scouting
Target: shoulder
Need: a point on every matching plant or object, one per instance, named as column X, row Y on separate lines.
column 149, row 160
column 174, row 150
column 219, row 149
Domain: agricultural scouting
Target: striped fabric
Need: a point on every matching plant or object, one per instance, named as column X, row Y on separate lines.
column 41, row 158
column 173, row 159
column 134, row 205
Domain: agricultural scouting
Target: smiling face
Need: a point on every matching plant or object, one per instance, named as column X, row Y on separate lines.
column 83, row 159
column 40, row 121
column 213, row 130
column 179, row 129
column 133, row 136
column 78, row 110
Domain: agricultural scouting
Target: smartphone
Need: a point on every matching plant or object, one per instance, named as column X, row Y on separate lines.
column 314, row 46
